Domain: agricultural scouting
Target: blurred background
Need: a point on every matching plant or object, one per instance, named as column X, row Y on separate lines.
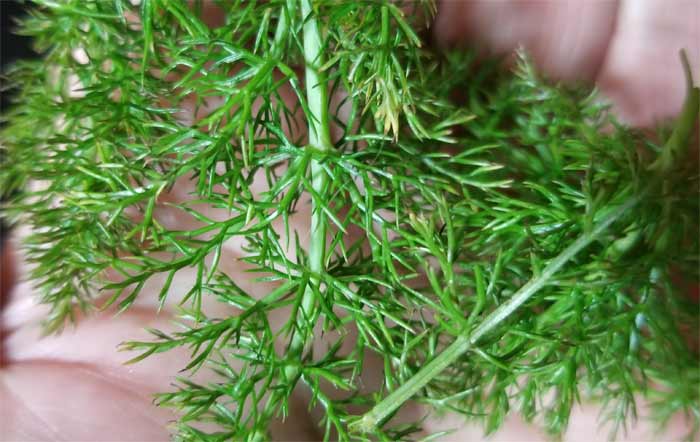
column 12, row 47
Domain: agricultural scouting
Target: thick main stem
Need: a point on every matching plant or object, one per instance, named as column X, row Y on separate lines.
column 463, row 343
column 320, row 139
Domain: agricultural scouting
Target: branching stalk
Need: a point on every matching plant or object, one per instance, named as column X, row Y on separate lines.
column 463, row 343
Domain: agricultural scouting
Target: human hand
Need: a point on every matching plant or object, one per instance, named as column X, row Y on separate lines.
column 628, row 48
column 74, row 386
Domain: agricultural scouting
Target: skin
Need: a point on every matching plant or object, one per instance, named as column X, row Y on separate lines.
column 75, row 387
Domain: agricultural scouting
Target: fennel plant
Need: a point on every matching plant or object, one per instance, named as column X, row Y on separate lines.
column 498, row 242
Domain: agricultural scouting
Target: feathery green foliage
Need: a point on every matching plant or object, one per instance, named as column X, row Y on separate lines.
column 497, row 242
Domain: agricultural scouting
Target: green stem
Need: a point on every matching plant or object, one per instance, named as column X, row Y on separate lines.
column 677, row 143
column 463, row 343
column 282, row 27
column 319, row 138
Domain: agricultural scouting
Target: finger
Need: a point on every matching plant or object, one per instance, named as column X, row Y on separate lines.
column 642, row 74
column 567, row 39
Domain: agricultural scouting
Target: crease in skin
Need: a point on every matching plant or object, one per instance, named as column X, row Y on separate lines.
column 101, row 337
column 25, row 313
column 608, row 42
column 79, row 419
column 98, row 372
column 10, row 399
column 105, row 377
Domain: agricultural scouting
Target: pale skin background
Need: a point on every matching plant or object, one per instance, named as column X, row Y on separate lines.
column 73, row 387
